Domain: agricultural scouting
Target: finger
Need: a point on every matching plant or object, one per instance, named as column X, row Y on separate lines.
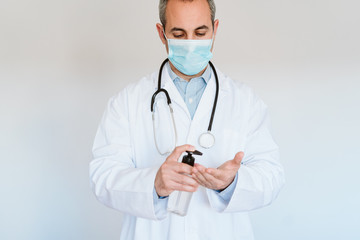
column 194, row 174
column 174, row 156
column 185, row 180
column 225, row 178
column 199, row 167
column 200, row 178
column 215, row 173
column 204, row 178
column 238, row 158
column 212, row 182
column 183, row 168
column 182, row 187
column 200, row 182
column 199, row 170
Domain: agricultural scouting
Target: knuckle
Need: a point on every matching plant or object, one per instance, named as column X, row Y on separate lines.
column 219, row 186
column 164, row 165
column 177, row 149
column 164, row 177
column 187, row 168
column 183, row 179
column 196, row 183
column 182, row 167
column 177, row 186
column 189, row 188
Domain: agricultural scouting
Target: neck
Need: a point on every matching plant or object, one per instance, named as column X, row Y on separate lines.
column 183, row 76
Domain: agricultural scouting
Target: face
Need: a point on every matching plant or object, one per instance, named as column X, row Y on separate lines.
column 188, row 20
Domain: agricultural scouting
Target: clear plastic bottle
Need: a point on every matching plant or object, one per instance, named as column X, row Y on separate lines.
column 179, row 201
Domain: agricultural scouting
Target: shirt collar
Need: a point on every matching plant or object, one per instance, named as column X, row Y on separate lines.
column 205, row 76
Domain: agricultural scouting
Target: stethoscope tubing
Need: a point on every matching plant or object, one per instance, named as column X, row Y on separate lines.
column 216, row 97
column 159, row 90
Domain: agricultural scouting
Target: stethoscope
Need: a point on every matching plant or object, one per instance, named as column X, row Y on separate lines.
column 206, row 139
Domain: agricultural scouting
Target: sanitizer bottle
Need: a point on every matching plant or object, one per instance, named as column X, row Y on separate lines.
column 179, row 201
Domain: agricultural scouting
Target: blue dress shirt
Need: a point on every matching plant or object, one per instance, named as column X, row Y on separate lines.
column 191, row 91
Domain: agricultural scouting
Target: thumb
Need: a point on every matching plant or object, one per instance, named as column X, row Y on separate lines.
column 238, row 157
column 174, row 156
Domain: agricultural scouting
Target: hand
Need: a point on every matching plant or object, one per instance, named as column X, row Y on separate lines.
column 171, row 174
column 220, row 178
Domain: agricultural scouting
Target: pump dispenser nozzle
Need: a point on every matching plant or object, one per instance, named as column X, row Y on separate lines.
column 189, row 159
column 196, row 152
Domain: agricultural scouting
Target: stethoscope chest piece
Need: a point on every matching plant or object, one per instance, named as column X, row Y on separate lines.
column 207, row 140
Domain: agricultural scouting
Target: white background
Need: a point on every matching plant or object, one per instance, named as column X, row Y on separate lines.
column 61, row 60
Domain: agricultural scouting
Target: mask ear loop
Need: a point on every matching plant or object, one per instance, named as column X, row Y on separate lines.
column 165, row 35
column 212, row 40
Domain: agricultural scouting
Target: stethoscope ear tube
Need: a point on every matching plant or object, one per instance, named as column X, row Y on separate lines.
column 159, row 89
column 154, row 97
column 160, row 72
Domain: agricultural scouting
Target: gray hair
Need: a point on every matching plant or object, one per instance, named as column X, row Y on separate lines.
column 162, row 10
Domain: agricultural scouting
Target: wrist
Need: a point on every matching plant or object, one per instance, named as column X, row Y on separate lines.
column 222, row 189
column 160, row 194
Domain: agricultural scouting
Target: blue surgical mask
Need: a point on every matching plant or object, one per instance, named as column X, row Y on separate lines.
column 189, row 56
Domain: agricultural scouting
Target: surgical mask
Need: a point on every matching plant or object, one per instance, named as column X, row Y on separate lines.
column 189, row 56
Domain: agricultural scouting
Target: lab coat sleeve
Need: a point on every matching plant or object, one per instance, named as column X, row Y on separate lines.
column 227, row 193
column 260, row 176
column 114, row 179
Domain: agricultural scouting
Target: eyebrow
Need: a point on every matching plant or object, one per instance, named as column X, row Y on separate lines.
column 177, row 29
column 183, row 30
column 202, row 27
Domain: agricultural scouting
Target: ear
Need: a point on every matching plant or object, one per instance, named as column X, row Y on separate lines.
column 161, row 33
column 216, row 25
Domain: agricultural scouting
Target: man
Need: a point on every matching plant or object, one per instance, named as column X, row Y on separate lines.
column 238, row 173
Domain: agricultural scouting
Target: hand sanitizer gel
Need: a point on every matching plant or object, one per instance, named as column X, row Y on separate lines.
column 179, row 201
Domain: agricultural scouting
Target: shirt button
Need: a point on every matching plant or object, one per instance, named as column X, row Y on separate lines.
column 190, row 100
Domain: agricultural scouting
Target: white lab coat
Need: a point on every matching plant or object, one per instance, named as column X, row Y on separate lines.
column 126, row 161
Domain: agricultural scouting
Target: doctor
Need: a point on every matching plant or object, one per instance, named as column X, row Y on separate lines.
column 239, row 170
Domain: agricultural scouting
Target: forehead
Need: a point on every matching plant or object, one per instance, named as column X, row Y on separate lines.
column 188, row 14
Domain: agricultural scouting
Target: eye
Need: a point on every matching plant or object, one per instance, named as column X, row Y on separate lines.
column 178, row 35
column 200, row 34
